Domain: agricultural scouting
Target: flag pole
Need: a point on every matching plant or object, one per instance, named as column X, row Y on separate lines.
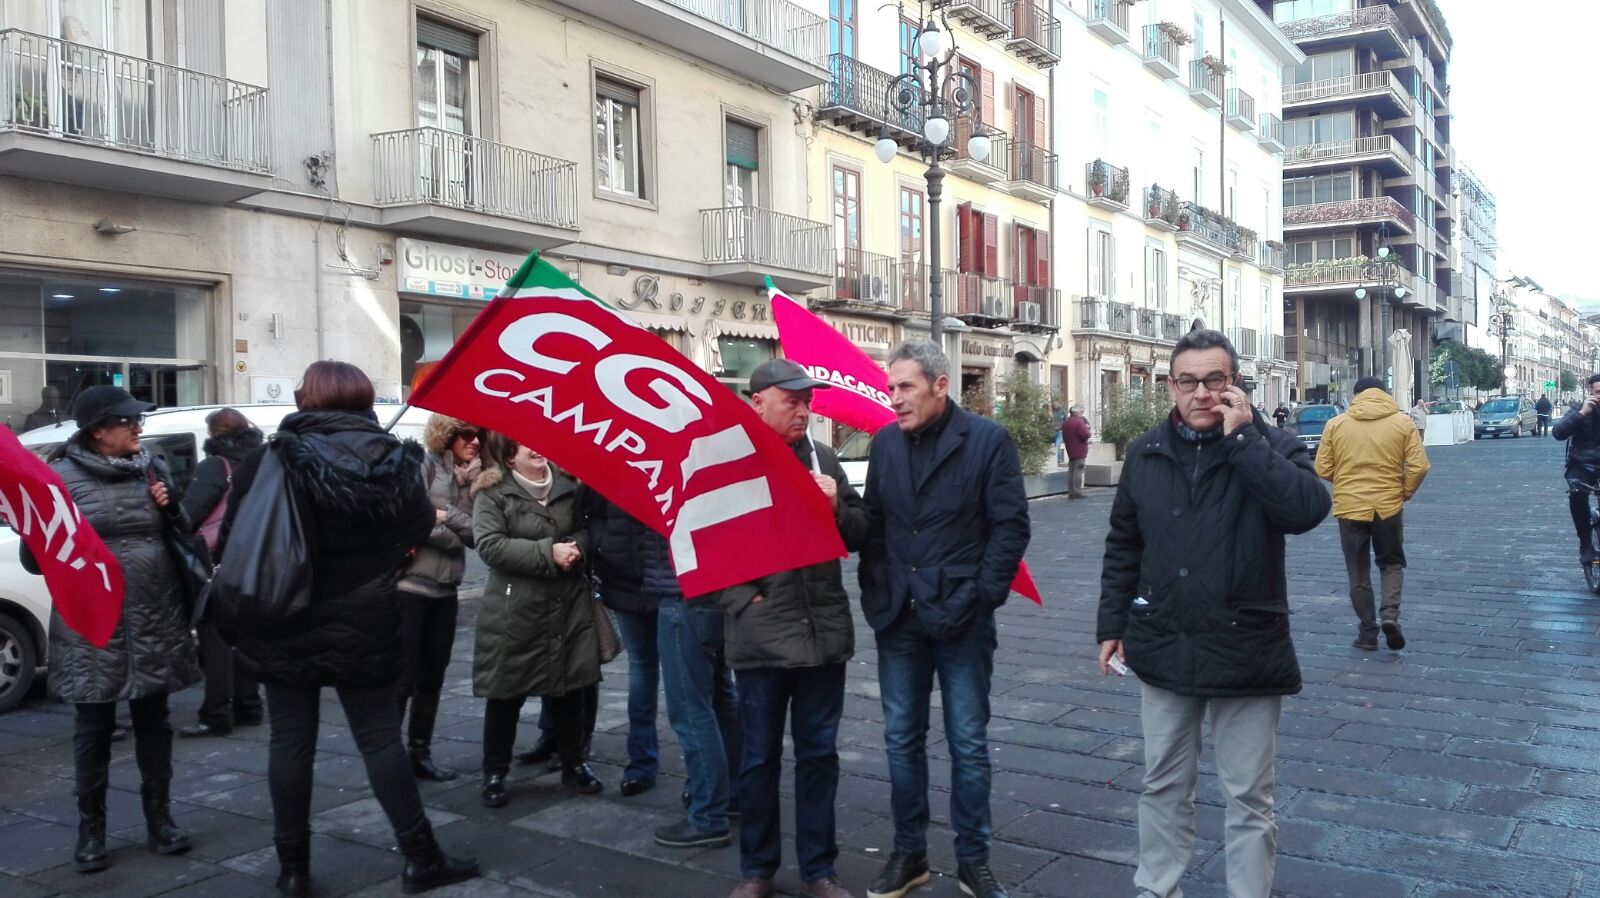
column 406, row 407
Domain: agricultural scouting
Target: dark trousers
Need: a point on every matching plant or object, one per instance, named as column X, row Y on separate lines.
column 1361, row 540
column 500, row 716
column 91, row 742
column 375, row 725
column 1578, row 503
column 427, row 633
column 229, row 692
column 1544, row 425
column 813, row 700
column 589, row 700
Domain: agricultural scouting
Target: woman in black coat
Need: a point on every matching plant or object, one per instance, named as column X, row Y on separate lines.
column 124, row 493
column 363, row 509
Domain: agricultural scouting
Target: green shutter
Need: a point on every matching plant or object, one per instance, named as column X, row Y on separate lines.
column 744, row 145
column 452, row 40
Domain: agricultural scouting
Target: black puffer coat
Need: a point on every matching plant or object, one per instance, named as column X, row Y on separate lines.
column 365, row 509
column 616, row 555
column 212, row 477
column 151, row 651
column 1193, row 581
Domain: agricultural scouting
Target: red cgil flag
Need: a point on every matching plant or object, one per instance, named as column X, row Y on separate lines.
column 83, row 577
column 860, row 397
column 553, row 367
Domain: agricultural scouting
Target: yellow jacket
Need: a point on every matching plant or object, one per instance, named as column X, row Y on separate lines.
column 1374, row 456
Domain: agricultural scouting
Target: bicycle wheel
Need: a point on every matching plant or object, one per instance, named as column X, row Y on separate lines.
column 1591, row 571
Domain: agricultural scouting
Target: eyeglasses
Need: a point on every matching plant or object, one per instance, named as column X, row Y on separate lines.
column 465, row 436
column 1216, row 383
column 127, row 421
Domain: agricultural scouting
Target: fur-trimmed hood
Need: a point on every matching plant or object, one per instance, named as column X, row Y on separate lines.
column 235, row 446
column 436, row 434
column 345, row 461
column 494, row 475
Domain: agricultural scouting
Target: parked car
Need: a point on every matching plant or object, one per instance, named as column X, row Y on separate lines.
column 1308, row 421
column 853, row 458
column 178, row 436
column 1505, row 414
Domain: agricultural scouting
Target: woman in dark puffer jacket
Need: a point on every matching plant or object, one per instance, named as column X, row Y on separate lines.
column 124, row 493
column 364, row 509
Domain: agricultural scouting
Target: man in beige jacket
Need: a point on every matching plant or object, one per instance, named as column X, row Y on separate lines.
column 1374, row 456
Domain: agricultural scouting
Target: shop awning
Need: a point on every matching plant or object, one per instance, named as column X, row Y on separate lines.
column 746, row 329
column 657, row 322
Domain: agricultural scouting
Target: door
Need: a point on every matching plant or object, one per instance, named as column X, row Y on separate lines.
column 446, row 90
column 847, row 232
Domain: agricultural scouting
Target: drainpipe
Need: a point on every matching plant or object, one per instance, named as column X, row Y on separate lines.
column 1063, row 314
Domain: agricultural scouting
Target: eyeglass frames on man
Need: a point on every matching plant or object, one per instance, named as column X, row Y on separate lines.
column 1216, row 383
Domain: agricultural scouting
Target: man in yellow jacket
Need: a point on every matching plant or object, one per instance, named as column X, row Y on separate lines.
column 1373, row 454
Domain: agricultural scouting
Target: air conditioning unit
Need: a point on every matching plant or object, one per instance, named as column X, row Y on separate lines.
column 1028, row 312
column 994, row 307
column 872, row 287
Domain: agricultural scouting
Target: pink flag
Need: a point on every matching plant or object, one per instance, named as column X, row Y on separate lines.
column 860, row 394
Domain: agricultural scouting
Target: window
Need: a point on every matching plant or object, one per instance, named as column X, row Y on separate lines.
column 1320, row 189
column 619, row 139
column 1155, row 275
column 842, row 24
column 738, row 358
column 1102, row 122
column 742, row 166
column 911, row 247
column 1022, row 120
column 908, row 46
column 1319, row 129
column 848, row 262
column 1291, row 10
column 447, row 77
column 1233, row 194
column 1323, row 66
column 1199, row 175
column 1199, row 35
column 1102, row 263
column 978, row 241
column 1306, row 251
column 1030, row 263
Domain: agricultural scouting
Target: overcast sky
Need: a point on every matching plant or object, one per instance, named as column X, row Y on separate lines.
column 1522, row 79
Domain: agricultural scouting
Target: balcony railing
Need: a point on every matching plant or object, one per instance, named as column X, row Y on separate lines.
column 1241, row 109
column 1269, row 130
column 1030, row 165
column 443, row 168
column 763, row 237
column 979, row 296
column 1244, row 340
column 1099, row 315
column 1269, row 256
column 1147, row 323
column 857, row 90
column 1218, row 230
column 1160, row 52
column 987, row 17
column 1349, row 212
column 1337, row 274
column 1353, row 148
column 1035, row 33
column 1371, row 18
column 1348, row 86
column 863, row 278
column 777, row 23
column 1037, row 305
column 1161, row 207
column 62, row 89
column 1105, row 183
column 1205, row 85
column 1109, row 19
column 1171, row 327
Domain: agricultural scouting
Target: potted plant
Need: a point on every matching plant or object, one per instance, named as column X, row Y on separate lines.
column 1119, row 186
column 1183, row 220
column 1153, row 204
column 1214, row 65
column 1175, row 34
column 27, row 109
column 1169, row 208
column 1097, row 178
column 1128, row 414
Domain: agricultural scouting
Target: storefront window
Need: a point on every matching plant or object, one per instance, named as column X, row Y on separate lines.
column 72, row 332
column 427, row 331
column 740, row 358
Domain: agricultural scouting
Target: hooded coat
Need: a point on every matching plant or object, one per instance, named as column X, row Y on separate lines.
column 536, row 625
column 364, row 509
column 213, row 477
column 151, row 651
column 440, row 563
column 1374, row 457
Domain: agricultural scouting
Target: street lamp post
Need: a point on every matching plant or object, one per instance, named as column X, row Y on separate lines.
column 939, row 90
column 1502, row 322
column 1387, row 281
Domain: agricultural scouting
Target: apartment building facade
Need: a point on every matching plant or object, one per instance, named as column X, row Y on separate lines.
column 1477, row 241
column 1170, row 217
column 1369, row 209
column 201, row 199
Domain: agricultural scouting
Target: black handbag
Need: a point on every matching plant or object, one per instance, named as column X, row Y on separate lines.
column 264, row 581
column 192, row 558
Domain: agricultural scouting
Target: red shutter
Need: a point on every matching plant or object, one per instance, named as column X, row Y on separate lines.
column 1041, row 137
column 987, row 78
column 1019, row 253
column 966, row 240
column 1041, row 255
column 991, row 244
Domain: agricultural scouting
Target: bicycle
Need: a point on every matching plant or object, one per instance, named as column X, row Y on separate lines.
column 1591, row 571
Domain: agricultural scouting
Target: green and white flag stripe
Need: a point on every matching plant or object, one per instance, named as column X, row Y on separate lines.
column 537, row 277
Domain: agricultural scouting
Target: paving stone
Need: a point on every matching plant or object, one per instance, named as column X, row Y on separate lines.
column 1561, row 841
column 1378, row 815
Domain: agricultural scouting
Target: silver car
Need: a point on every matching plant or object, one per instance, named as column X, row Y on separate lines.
column 1501, row 415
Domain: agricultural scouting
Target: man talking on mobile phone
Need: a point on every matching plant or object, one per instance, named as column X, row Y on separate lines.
column 1194, row 599
column 1582, row 427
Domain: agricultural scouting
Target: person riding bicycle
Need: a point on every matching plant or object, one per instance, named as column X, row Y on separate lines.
column 1581, row 428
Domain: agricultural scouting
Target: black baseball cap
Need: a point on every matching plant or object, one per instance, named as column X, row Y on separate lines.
column 96, row 404
column 783, row 374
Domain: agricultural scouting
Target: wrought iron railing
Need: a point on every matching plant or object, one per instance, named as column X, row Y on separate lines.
column 1270, row 256
column 1034, row 164
column 1319, row 274
column 1218, row 230
column 62, row 89
column 1158, row 45
column 1032, row 23
column 776, row 23
column 1046, row 299
column 1270, row 127
column 763, row 237
column 1347, row 85
column 991, row 11
column 1241, row 105
column 1112, row 11
column 1364, row 209
column 864, row 90
column 1101, row 179
column 969, row 293
column 1171, row 327
column 439, row 167
column 1161, row 205
column 1147, row 322
column 1201, row 77
column 1348, row 149
column 1363, row 19
column 863, row 277
column 1244, row 340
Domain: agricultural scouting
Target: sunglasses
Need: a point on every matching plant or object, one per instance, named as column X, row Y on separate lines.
column 465, row 436
column 128, row 421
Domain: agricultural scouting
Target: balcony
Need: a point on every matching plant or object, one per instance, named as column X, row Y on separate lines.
column 772, row 42
column 1272, row 347
column 1375, row 27
column 1381, row 89
column 1160, row 52
column 1368, row 210
column 442, row 184
column 1109, row 19
column 1241, row 112
column 983, row 299
column 856, row 97
column 744, row 244
column 1105, row 185
column 1271, row 256
column 1205, row 86
column 1207, row 230
column 1095, row 314
column 1161, row 208
column 1328, row 351
column 1147, row 323
column 1269, row 131
column 1244, row 340
column 1037, row 308
column 1172, row 327
column 863, row 281
column 1382, row 152
column 994, row 169
column 1343, row 275
column 1030, row 171
column 1035, row 33
column 986, row 17
column 80, row 115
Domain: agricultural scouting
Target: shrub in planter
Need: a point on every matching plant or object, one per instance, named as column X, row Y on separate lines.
column 1129, row 413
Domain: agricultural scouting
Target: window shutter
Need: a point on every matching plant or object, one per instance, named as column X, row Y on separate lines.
column 744, row 145
column 1111, row 266
column 1019, row 254
column 1041, row 254
column 1149, row 278
column 991, row 244
column 1041, row 137
column 966, row 240
column 450, row 39
column 618, row 91
column 986, row 78
column 1094, row 264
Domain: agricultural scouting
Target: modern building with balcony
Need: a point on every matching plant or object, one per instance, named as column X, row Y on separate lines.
column 1368, row 170
column 1477, row 241
column 1169, row 216
column 199, row 205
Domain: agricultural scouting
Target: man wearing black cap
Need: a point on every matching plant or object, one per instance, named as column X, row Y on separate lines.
column 789, row 636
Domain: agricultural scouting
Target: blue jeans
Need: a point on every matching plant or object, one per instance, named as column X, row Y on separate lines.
column 813, row 699
column 907, row 660
column 638, row 632
column 702, row 706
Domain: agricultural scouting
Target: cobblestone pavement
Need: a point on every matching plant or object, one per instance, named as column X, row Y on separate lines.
column 1466, row 765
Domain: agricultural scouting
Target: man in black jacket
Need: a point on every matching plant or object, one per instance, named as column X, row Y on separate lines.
column 1582, row 427
column 949, row 524
column 789, row 636
column 1193, row 596
column 1543, row 408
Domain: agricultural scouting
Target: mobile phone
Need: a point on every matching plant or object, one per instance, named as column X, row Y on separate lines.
column 1117, row 667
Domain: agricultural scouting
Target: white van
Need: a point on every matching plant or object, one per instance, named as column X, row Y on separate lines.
column 178, row 436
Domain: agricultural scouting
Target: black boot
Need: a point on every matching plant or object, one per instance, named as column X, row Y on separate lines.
column 543, row 751
column 90, row 855
column 428, row 867
column 294, row 865
column 165, row 837
column 424, row 709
